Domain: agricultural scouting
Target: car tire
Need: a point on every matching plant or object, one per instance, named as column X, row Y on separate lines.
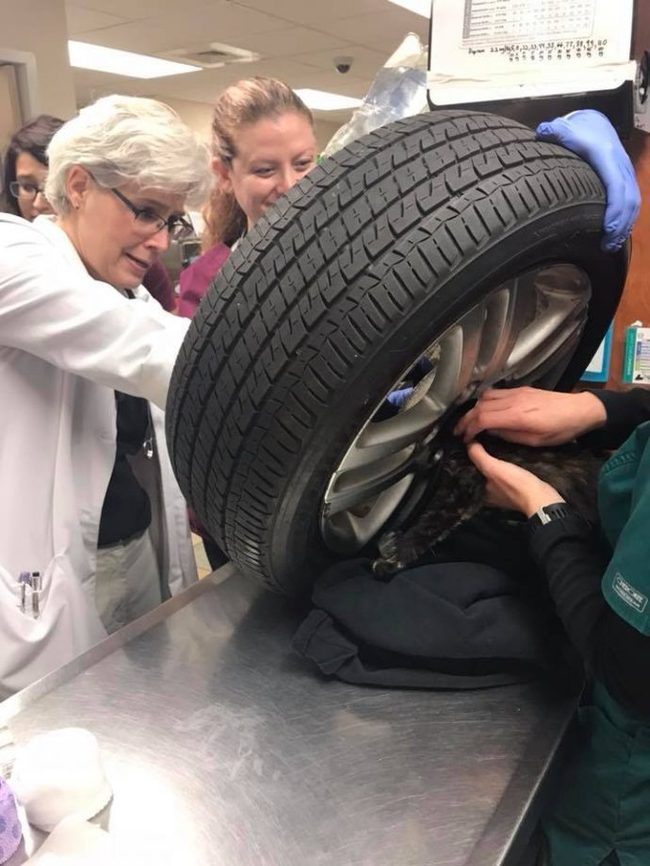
column 341, row 287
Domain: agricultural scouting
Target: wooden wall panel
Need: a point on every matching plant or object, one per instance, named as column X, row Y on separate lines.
column 641, row 28
column 635, row 303
column 11, row 118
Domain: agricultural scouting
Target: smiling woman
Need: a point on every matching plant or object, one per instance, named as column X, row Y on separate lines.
column 93, row 531
column 272, row 155
column 263, row 143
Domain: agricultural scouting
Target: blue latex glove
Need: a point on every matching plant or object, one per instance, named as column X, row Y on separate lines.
column 397, row 398
column 589, row 134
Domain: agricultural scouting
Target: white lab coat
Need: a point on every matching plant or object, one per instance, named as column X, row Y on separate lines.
column 66, row 342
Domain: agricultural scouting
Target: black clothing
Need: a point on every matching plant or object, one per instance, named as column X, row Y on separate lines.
column 626, row 410
column 446, row 623
column 126, row 511
column 406, row 632
column 216, row 556
column 573, row 558
column 454, row 625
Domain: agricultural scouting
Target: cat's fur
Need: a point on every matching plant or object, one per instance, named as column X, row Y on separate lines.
column 460, row 489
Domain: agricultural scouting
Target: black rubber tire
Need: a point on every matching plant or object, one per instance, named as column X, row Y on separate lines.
column 337, row 290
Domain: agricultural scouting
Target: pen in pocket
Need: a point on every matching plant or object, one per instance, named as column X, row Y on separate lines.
column 24, row 579
column 37, row 586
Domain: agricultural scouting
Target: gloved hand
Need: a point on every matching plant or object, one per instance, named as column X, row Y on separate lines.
column 590, row 134
column 397, row 398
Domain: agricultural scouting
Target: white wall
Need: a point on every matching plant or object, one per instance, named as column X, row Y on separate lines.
column 40, row 27
column 325, row 130
column 198, row 116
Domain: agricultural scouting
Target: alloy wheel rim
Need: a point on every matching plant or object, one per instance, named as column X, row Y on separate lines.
column 523, row 327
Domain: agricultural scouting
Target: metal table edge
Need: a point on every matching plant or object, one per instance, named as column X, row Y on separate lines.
column 14, row 704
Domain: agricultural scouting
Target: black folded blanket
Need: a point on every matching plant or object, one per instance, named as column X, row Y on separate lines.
column 441, row 625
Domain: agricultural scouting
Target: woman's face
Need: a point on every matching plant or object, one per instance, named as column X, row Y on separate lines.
column 115, row 246
column 31, row 174
column 271, row 155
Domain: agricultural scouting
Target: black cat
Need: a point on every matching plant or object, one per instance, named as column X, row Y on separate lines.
column 459, row 492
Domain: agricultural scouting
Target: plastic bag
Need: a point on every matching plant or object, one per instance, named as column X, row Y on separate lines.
column 398, row 90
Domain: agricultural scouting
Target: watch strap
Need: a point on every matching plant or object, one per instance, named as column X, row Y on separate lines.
column 547, row 514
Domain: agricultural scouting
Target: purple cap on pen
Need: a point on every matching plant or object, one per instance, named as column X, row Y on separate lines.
column 10, row 829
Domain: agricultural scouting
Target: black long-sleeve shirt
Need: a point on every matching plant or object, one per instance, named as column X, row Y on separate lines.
column 573, row 559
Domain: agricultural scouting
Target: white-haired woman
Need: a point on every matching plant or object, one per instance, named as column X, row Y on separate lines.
column 93, row 528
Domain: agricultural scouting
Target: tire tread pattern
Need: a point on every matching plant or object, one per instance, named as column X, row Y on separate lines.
column 313, row 287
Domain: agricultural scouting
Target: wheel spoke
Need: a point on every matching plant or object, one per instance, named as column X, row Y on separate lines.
column 561, row 295
column 528, row 324
column 499, row 332
column 455, row 362
column 381, row 439
column 352, row 488
column 347, row 531
column 459, row 349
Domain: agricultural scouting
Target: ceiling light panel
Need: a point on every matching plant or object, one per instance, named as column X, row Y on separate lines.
column 83, row 55
column 420, row 7
column 322, row 100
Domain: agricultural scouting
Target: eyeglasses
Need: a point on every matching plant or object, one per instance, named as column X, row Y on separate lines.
column 178, row 227
column 25, row 189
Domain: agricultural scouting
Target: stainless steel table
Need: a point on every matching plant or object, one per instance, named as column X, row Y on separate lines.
column 224, row 749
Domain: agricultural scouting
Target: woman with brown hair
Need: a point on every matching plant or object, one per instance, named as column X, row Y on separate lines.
column 25, row 167
column 263, row 142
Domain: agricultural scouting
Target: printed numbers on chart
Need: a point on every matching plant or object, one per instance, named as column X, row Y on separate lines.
column 522, row 24
column 544, row 52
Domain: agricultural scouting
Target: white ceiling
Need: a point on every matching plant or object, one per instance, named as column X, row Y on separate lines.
column 297, row 41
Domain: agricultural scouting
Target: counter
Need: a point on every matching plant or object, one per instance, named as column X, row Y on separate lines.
column 226, row 749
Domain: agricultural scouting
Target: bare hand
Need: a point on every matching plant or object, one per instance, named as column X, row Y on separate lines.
column 510, row 486
column 532, row 416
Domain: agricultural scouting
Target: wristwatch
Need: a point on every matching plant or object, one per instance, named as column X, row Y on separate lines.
column 546, row 514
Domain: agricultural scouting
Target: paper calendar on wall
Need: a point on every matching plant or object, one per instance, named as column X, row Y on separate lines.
column 504, row 49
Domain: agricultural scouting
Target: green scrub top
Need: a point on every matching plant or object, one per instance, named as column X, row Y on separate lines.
column 624, row 506
column 601, row 815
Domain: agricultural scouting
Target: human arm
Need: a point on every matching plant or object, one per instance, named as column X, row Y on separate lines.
column 51, row 308
column 625, row 410
column 572, row 558
column 589, row 134
column 533, row 416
